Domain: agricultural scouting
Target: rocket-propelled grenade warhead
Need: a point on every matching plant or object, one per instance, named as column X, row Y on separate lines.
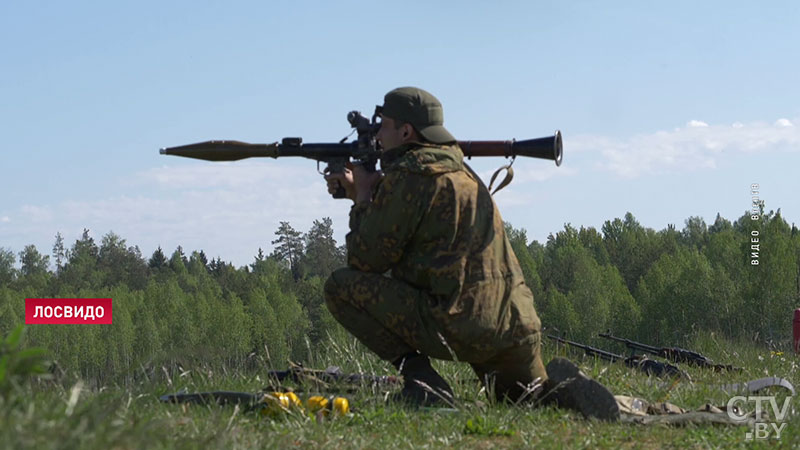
column 222, row 150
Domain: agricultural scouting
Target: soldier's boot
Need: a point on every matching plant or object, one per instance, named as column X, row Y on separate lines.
column 568, row 387
column 422, row 385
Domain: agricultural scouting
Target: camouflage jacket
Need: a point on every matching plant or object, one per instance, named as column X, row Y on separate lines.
column 434, row 225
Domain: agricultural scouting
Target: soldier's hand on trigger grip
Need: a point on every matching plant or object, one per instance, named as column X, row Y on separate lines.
column 342, row 180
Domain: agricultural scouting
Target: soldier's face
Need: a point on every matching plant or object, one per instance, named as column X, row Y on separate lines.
column 389, row 135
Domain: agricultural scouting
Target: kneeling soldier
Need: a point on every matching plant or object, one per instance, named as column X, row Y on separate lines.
column 431, row 273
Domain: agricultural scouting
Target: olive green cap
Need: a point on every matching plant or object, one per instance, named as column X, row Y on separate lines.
column 420, row 109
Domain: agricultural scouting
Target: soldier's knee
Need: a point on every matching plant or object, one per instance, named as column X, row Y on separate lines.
column 330, row 288
column 332, row 284
column 335, row 285
column 331, row 293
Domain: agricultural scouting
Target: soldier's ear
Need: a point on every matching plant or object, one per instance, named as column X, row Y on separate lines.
column 407, row 129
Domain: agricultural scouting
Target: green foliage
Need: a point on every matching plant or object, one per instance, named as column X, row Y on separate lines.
column 73, row 416
column 34, row 265
column 206, row 325
column 9, row 317
column 558, row 313
column 519, row 243
column 482, row 426
column 695, row 234
column 590, row 298
column 774, row 282
column 33, row 262
column 699, row 279
column 631, row 248
column 177, row 312
column 17, row 364
column 289, row 248
column 181, row 312
column 80, row 271
column 677, row 295
column 321, row 254
column 120, row 264
column 60, row 253
column 158, row 260
column 7, row 271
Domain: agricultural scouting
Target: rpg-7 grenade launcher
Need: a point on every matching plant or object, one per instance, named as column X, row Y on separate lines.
column 365, row 150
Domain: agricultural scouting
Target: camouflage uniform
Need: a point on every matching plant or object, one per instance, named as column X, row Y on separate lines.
column 431, row 270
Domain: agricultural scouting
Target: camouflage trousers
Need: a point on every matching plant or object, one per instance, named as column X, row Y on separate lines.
column 392, row 318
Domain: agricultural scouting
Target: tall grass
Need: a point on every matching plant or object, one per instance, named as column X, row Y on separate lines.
column 65, row 413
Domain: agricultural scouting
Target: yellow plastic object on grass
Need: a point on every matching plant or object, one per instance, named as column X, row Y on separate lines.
column 339, row 405
column 277, row 403
column 316, row 403
column 294, row 400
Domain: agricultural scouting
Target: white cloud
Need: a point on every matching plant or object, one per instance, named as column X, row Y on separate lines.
column 525, row 173
column 227, row 211
column 509, row 198
column 231, row 175
column 696, row 146
column 36, row 214
column 5, row 219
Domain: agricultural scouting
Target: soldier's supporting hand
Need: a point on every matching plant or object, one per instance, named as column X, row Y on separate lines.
column 356, row 181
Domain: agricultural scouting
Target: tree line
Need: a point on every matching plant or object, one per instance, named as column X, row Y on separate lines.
column 183, row 310
column 179, row 310
column 666, row 286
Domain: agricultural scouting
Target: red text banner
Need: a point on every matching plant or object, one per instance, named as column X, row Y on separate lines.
column 67, row 311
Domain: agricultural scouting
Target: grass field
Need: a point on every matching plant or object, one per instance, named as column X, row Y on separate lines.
column 63, row 414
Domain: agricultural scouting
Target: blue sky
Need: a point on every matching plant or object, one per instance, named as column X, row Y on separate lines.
column 668, row 110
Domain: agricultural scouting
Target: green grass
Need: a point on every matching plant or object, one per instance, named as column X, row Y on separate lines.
column 62, row 414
